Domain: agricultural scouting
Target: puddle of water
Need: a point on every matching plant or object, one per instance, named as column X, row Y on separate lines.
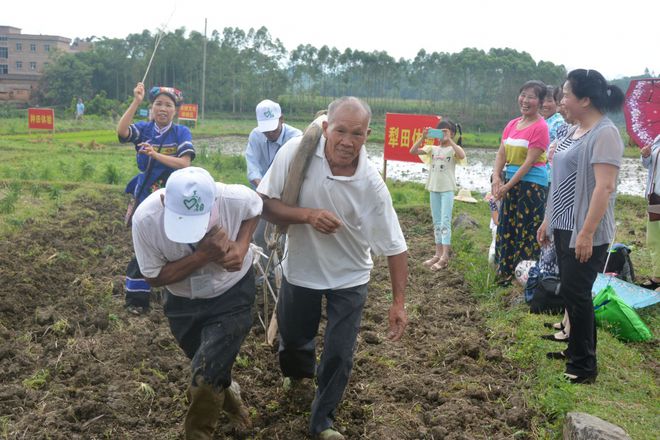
column 475, row 176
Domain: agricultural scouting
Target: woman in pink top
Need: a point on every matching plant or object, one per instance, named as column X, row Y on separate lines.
column 520, row 180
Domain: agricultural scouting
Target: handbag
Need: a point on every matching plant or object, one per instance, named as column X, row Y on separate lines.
column 653, row 207
column 546, row 297
column 611, row 312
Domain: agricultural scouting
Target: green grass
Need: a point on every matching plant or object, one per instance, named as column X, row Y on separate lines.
column 626, row 392
column 38, row 173
column 92, row 132
column 37, row 380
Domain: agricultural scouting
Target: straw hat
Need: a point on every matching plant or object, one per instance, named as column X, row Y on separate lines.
column 464, row 195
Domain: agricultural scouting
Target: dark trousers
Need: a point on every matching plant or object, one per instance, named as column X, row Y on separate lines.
column 211, row 331
column 298, row 317
column 576, row 282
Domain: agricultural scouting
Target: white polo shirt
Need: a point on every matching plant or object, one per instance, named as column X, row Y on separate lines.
column 236, row 203
column 363, row 204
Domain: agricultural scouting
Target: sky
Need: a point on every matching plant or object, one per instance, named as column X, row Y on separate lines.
column 617, row 41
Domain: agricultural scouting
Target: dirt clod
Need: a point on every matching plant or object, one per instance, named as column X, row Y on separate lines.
column 371, row 338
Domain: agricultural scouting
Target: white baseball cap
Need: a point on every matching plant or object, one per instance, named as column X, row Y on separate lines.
column 268, row 115
column 189, row 202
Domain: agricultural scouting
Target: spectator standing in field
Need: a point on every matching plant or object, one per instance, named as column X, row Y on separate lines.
column 441, row 185
column 161, row 147
column 550, row 111
column 580, row 210
column 520, row 180
column 344, row 214
column 264, row 142
column 80, row 109
column 193, row 238
column 651, row 161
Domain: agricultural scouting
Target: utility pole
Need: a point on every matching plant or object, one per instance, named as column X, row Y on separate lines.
column 204, row 72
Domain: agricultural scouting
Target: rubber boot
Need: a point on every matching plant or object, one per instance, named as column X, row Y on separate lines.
column 237, row 412
column 202, row 416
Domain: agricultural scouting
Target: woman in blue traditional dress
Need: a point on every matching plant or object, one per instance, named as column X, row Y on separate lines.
column 161, row 147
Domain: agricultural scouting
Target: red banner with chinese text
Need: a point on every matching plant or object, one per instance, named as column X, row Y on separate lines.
column 41, row 119
column 188, row 111
column 402, row 131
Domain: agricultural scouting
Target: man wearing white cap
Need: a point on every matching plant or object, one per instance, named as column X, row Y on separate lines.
column 344, row 214
column 263, row 144
column 266, row 139
column 193, row 238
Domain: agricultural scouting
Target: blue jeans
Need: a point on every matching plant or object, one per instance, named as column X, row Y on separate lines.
column 298, row 317
column 442, row 204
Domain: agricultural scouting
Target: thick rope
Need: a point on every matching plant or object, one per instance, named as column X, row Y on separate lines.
column 296, row 175
column 290, row 195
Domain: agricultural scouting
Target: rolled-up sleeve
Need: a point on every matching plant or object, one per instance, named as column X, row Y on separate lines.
column 185, row 145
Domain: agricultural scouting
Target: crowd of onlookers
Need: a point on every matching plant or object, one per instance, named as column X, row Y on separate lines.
column 552, row 199
column 553, row 193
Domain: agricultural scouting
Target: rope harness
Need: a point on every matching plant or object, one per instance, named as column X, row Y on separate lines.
column 273, row 234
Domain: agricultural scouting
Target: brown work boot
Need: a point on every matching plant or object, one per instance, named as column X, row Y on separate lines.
column 203, row 412
column 330, row 434
column 299, row 391
column 239, row 415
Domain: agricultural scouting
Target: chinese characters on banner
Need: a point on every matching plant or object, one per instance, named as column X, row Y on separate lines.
column 41, row 119
column 402, row 131
column 188, row 112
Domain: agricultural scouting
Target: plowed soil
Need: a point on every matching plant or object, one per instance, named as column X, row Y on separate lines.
column 75, row 365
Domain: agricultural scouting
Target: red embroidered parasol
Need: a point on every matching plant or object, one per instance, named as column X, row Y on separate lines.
column 642, row 110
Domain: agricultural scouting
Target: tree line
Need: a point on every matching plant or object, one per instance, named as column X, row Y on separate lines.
column 478, row 88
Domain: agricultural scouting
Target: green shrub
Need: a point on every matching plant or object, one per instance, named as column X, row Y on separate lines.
column 112, row 175
column 54, row 192
column 102, row 106
column 237, row 162
column 8, row 203
column 87, row 170
column 46, row 173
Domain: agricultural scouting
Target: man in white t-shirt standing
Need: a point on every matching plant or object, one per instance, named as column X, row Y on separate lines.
column 345, row 212
column 193, row 238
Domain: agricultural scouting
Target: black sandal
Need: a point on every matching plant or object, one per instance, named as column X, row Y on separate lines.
column 650, row 284
column 572, row 378
column 504, row 281
column 556, row 339
column 556, row 355
column 553, row 326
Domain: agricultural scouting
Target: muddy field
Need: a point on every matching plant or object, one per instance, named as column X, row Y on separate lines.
column 74, row 365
